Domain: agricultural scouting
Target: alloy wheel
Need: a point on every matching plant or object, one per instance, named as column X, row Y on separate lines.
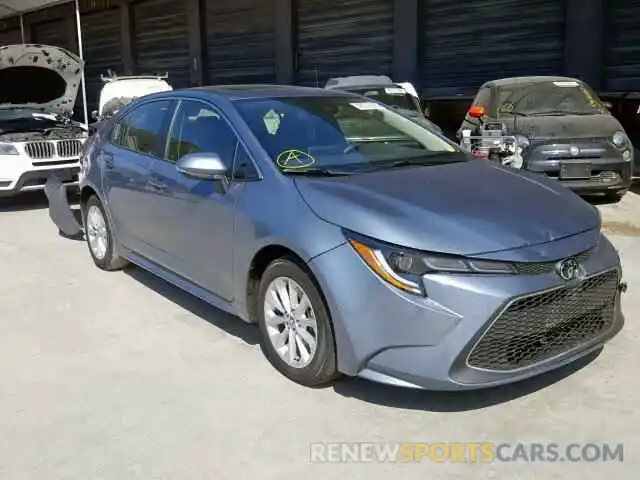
column 97, row 233
column 290, row 322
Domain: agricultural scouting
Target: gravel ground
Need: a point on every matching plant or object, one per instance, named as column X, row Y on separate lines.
column 118, row 376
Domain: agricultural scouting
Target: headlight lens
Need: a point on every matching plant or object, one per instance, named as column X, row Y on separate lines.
column 403, row 268
column 619, row 139
column 8, row 149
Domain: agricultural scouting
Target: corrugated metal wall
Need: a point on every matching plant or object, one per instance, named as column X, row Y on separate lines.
column 240, row 41
column 102, row 49
column 343, row 37
column 53, row 32
column 467, row 43
column 160, row 39
column 7, row 37
column 622, row 49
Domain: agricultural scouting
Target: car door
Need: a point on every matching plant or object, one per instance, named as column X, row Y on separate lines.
column 135, row 140
column 193, row 218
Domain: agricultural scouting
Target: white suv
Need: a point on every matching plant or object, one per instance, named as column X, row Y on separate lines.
column 119, row 91
column 38, row 89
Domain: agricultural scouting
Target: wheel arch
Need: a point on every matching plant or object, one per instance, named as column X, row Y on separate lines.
column 259, row 263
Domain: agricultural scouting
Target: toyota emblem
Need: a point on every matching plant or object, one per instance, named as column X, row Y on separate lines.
column 568, row 269
column 575, row 151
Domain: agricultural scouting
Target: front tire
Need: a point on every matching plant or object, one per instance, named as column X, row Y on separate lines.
column 297, row 333
column 99, row 235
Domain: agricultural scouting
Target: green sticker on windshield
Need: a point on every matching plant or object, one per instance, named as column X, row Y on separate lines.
column 294, row 159
column 272, row 121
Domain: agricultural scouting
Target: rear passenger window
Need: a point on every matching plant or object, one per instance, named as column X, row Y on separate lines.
column 143, row 129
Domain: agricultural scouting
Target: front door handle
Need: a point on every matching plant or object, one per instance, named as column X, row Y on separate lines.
column 156, row 184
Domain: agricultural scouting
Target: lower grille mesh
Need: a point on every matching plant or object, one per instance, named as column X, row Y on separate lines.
column 539, row 327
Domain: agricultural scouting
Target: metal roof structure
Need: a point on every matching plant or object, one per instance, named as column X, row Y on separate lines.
column 10, row 8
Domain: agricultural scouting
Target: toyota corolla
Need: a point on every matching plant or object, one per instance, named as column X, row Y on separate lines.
column 361, row 243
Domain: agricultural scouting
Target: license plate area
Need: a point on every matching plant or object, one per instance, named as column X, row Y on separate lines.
column 575, row 170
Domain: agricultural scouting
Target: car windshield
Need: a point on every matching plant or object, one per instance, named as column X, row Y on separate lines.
column 394, row 96
column 549, row 98
column 341, row 134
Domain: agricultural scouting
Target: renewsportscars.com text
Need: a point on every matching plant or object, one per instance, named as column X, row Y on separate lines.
column 468, row 452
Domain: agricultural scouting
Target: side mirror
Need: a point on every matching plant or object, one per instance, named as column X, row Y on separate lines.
column 426, row 112
column 204, row 166
column 94, row 115
column 607, row 105
column 477, row 111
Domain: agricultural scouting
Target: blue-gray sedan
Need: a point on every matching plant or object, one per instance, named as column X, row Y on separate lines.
column 360, row 242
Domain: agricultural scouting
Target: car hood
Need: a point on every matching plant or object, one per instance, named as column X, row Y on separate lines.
column 40, row 77
column 464, row 208
column 564, row 127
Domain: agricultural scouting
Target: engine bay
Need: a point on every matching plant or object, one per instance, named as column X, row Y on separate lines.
column 34, row 126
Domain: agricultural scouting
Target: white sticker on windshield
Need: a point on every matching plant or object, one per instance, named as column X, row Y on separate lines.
column 272, row 121
column 394, row 91
column 566, row 84
column 366, row 106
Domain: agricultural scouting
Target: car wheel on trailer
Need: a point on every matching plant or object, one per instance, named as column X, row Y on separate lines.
column 99, row 236
column 297, row 333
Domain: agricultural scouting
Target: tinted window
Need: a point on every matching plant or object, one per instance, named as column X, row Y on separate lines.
column 199, row 128
column 339, row 131
column 142, row 130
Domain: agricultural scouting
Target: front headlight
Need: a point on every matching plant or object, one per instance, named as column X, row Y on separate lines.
column 619, row 139
column 403, row 268
column 8, row 149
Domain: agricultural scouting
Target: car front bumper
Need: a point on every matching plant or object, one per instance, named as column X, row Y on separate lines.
column 606, row 175
column 387, row 336
column 35, row 179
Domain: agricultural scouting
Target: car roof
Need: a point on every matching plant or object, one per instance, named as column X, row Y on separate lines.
column 257, row 91
column 515, row 81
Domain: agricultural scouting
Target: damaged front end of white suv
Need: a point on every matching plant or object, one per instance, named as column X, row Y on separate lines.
column 38, row 89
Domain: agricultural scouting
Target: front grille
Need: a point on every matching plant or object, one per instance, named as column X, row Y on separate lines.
column 40, row 150
column 69, row 148
column 543, row 268
column 541, row 326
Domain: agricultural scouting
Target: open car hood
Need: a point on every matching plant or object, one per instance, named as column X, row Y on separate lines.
column 40, row 77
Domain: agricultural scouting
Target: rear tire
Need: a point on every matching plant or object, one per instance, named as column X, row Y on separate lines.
column 292, row 313
column 99, row 236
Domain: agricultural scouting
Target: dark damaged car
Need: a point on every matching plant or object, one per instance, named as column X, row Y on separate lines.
column 563, row 129
column 38, row 89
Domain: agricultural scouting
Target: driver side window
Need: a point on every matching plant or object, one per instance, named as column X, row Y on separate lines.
column 199, row 128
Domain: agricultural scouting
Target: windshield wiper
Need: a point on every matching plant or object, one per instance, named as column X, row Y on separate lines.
column 517, row 114
column 425, row 161
column 561, row 112
column 314, row 172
